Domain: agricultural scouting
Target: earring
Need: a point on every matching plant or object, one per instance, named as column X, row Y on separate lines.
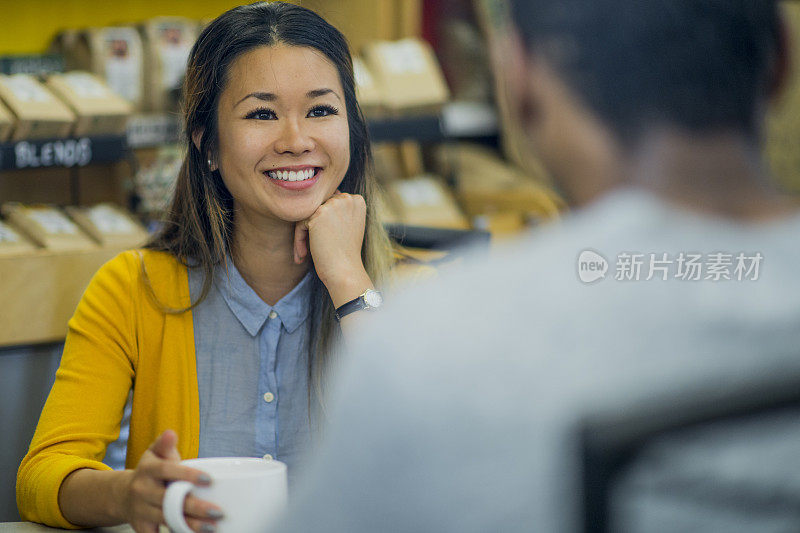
column 210, row 165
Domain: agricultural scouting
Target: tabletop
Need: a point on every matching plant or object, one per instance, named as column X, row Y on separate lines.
column 30, row 527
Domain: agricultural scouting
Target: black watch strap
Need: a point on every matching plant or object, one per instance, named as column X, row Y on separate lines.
column 370, row 299
column 356, row 304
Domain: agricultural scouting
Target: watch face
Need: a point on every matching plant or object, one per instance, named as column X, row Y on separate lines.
column 373, row 298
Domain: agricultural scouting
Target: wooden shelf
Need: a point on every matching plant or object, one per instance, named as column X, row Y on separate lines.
column 40, row 291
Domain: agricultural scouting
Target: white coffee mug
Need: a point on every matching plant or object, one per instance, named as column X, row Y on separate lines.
column 250, row 491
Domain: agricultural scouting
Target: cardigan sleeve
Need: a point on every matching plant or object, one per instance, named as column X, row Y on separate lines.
column 84, row 409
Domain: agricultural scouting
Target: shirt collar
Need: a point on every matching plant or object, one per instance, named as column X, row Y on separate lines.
column 251, row 310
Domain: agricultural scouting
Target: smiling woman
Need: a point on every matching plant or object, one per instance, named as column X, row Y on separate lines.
column 223, row 325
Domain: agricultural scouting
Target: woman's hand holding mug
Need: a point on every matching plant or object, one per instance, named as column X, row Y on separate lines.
column 146, row 485
column 252, row 492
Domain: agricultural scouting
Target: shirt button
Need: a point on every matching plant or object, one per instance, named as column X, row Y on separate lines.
column 273, row 314
column 268, row 397
column 267, row 457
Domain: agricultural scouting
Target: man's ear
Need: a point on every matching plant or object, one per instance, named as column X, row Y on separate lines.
column 508, row 58
column 521, row 73
column 779, row 76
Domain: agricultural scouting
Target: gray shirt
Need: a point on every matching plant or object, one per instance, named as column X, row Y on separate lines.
column 252, row 369
column 458, row 410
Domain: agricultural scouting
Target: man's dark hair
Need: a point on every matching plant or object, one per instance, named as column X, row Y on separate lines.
column 699, row 65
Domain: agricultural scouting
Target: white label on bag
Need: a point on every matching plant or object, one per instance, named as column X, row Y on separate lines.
column 122, row 66
column 7, row 234
column 85, row 85
column 26, row 89
column 174, row 60
column 403, row 57
column 107, row 220
column 419, row 193
column 53, row 221
column 123, row 77
column 173, row 50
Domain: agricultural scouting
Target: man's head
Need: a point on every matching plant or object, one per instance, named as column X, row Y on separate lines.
column 627, row 67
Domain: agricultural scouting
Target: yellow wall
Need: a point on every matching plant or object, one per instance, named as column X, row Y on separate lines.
column 28, row 26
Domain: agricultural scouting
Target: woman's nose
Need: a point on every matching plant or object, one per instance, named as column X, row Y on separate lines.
column 293, row 139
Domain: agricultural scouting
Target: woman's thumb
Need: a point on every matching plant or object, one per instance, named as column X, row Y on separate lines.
column 166, row 446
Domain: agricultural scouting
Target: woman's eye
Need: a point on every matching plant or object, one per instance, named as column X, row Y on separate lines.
column 323, row 111
column 262, row 114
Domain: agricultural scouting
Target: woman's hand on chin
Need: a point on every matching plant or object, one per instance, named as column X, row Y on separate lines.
column 334, row 235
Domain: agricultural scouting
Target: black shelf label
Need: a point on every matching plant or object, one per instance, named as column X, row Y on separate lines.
column 31, row 64
column 153, row 130
column 395, row 129
column 66, row 153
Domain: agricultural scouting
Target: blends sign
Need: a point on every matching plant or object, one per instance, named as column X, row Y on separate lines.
column 61, row 153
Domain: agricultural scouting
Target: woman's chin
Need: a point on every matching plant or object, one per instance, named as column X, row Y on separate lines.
column 295, row 215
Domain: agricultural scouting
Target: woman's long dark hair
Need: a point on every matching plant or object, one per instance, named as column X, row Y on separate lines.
column 198, row 227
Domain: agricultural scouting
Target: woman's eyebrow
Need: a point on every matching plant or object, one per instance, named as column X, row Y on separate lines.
column 267, row 97
column 271, row 97
column 316, row 93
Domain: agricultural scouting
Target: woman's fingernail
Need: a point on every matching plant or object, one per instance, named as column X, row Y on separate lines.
column 204, row 479
column 216, row 514
column 207, row 528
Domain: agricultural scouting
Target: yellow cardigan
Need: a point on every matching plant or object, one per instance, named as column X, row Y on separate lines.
column 118, row 338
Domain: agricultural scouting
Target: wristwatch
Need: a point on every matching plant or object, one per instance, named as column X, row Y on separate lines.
column 370, row 299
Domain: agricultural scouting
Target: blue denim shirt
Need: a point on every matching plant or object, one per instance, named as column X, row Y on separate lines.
column 252, row 369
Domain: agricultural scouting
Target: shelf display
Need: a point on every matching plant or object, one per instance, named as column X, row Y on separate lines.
column 408, row 75
column 46, row 260
column 38, row 113
column 109, row 225
column 423, row 201
column 99, row 110
column 114, row 53
column 47, row 226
